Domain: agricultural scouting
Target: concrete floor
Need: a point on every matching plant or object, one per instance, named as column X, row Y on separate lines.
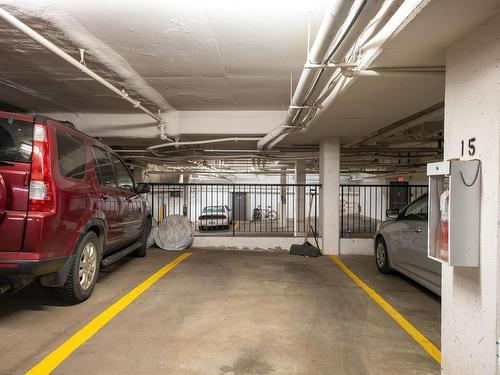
column 226, row 312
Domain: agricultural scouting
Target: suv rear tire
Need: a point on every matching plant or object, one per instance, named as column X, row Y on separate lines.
column 84, row 270
column 141, row 252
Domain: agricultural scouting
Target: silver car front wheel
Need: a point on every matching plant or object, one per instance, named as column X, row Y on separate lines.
column 381, row 256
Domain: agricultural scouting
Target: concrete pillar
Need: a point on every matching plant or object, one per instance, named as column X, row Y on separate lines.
column 282, row 213
column 184, row 179
column 138, row 174
column 470, row 302
column 329, row 176
column 300, row 178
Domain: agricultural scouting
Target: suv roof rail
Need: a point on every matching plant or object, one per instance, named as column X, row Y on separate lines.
column 67, row 123
column 44, row 119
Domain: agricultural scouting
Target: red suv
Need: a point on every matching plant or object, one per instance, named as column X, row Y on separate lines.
column 68, row 205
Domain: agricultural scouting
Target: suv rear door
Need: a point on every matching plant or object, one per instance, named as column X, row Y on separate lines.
column 135, row 203
column 16, row 140
column 108, row 198
column 73, row 183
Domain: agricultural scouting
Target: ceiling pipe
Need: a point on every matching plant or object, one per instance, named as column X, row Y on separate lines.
column 328, row 30
column 202, row 172
column 217, row 140
column 6, row 16
column 368, row 47
column 362, row 25
column 216, row 157
column 359, row 10
column 358, row 23
column 392, row 72
column 359, row 19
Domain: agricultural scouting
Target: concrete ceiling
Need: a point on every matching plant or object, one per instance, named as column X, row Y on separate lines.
column 192, row 54
column 370, row 103
column 231, row 57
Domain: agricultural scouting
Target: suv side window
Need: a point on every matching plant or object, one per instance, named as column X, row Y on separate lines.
column 70, row 156
column 417, row 210
column 103, row 168
column 16, row 139
column 125, row 182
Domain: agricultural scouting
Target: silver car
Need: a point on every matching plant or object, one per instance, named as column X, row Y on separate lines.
column 401, row 245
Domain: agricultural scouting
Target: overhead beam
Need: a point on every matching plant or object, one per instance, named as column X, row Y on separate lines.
column 417, row 119
column 389, row 149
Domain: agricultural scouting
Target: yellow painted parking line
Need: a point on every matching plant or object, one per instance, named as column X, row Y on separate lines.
column 54, row 359
column 428, row 346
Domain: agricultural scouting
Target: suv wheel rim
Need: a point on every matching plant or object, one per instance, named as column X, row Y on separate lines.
column 380, row 255
column 88, row 265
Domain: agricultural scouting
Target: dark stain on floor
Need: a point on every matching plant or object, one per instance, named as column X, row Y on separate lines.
column 247, row 365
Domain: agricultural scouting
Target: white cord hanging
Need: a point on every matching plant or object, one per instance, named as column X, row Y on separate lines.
column 82, row 57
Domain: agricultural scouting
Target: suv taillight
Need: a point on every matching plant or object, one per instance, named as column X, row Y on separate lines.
column 41, row 196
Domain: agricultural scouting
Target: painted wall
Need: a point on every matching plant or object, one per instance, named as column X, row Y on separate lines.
column 246, row 243
column 472, row 109
column 356, row 246
column 347, row 246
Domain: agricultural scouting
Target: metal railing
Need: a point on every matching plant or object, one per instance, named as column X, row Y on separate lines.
column 240, row 209
column 276, row 209
column 363, row 207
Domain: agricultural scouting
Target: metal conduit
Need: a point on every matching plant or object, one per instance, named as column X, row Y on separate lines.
column 59, row 52
column 217, row 140
column 351, row 30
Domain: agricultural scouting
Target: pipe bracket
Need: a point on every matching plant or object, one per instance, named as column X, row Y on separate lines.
column 305, row 106
column 329, row 66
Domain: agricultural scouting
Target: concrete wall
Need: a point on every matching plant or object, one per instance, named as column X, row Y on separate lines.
column 356, row 246
column 470, row 295
column 247, row 243
column 348, row 246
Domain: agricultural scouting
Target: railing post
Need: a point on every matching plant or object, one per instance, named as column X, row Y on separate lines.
column 153, row 201
column 341, row 211
column 233, row 209
column 316, row 194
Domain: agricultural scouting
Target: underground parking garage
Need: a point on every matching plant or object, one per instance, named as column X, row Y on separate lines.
column 286, row 187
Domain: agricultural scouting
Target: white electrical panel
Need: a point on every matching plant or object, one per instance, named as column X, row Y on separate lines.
column 454, row 204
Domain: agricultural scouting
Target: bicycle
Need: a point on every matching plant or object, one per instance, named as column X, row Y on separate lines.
column 268, row 214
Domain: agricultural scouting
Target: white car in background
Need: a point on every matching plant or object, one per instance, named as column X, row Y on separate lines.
column 214, row 217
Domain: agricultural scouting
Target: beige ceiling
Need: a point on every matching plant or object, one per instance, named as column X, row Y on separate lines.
column 220, row 55
column 198, row 55
column 370, row 103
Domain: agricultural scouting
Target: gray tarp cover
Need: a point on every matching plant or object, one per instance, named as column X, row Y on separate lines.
column 175, row 232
